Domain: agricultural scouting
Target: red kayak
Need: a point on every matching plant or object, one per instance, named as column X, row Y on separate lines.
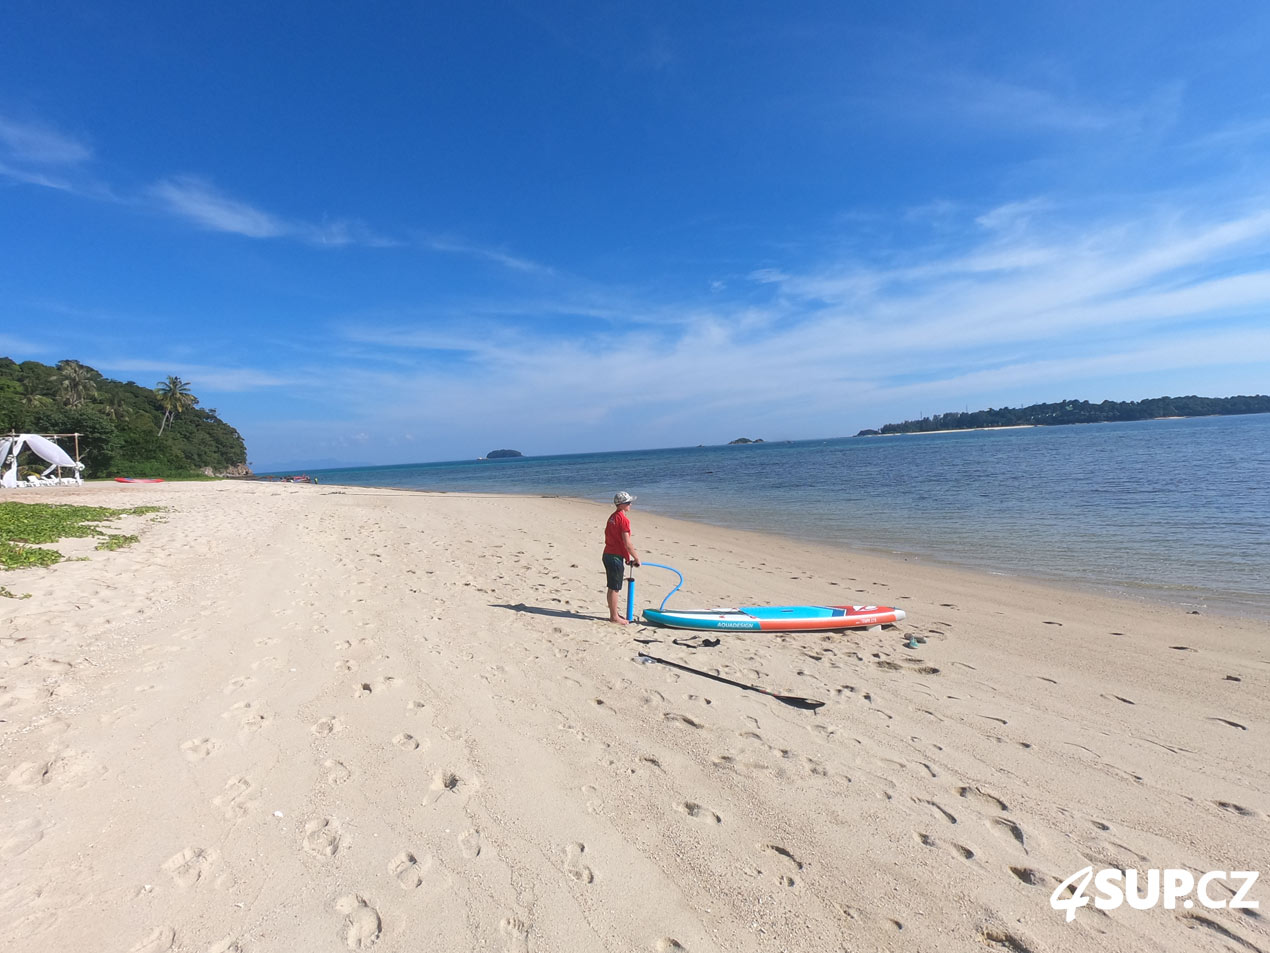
column 137, row 480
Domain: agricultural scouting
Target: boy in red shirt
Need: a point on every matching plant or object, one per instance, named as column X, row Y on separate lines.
column 618, row 551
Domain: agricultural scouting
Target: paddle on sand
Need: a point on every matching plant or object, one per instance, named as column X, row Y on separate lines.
column 808, row 704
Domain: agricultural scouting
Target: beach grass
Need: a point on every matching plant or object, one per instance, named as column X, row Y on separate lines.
column 25, row 525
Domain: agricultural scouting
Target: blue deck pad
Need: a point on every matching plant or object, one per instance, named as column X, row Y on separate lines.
column 785, row 612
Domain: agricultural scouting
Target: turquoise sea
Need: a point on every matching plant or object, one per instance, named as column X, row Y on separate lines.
column 1168, row 510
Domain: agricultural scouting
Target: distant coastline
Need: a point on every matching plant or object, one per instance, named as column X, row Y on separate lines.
column 922, row 433
column 1078, row 412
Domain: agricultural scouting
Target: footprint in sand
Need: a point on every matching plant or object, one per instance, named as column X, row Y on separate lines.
column 22, row 836
column 362, row 925
column 67, row 769
column 336, row 771
column 1237, row 809
column 235, row 684
column 251, row 717
column 982, row 798
column 326, row 726
column 946, row 815
column 408, row 870
column 516, row 934
column 445, row 781
column 1232, row 724
column 189, row 866
column 668, row 944
column 927, row 840
column 685, row 719
column 573, row 865
column 1003, row 940
column 699, row 813
column 1006, row 828
column 1033, row 878
column 406, row 742
column 322, row 836
column 157, row 942
column 239, row 798
column 29, row 775
column 196, row 749
column 119, row 714
column 470, row 843
column 782, row 852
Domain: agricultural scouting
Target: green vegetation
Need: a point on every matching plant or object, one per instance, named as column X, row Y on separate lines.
column 125, row 429
column 22, row 525
column 6, row 594
column 1081, row 412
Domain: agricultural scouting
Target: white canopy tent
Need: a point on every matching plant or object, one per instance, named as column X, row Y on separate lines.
column 43, row 447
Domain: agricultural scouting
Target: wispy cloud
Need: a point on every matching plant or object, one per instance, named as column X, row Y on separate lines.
column 35, row 153
column 1072, row 308
column 496, row 255
column 199, row 201
column 40, row 144
column 35, row 177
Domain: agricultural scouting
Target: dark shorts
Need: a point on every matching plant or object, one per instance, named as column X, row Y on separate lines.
column 615, row 567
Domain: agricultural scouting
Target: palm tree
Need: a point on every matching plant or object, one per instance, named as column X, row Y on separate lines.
column 78, row 382
column 116, row 409
column 174, row 394
column 32, row 398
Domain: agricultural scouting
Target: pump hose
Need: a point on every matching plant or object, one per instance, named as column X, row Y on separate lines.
column 672, row 591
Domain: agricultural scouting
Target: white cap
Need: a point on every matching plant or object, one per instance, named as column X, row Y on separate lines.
column 623, row 497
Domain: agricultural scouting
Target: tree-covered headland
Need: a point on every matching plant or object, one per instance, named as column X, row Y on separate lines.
column 125, row 429
column 1080, row 412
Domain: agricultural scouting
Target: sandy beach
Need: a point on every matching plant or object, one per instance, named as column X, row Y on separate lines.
column 320, row 718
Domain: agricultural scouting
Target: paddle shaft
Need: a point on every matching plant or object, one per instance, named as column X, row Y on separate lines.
column 810, row 704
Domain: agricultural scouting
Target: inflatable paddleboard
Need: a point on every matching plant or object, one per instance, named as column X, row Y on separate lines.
column 777, row 618
column 137, row 480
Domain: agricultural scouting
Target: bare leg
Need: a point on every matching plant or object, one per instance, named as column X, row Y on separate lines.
column 614, row 614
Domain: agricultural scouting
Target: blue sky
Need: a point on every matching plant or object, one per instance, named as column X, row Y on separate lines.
column 383, row 233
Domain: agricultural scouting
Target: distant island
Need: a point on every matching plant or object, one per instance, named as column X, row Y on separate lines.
column 499, row 454
column 744, row 440
column 1079, row 412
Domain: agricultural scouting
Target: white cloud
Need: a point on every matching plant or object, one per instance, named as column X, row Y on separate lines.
column 40, row 144
column 196, row 199
column 496, row 255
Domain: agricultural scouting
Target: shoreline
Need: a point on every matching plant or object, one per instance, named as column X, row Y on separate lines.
column 319, row 717
column 1200, row 600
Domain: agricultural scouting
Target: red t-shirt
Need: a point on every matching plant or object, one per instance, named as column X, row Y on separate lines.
column 618, row 524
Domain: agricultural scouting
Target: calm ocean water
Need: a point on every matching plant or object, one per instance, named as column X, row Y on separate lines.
column 1169, row 510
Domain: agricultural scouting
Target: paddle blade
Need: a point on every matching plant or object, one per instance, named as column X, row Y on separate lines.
column 793, row 701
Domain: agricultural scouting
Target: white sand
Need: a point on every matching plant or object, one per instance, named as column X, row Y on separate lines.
column 304, row 718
